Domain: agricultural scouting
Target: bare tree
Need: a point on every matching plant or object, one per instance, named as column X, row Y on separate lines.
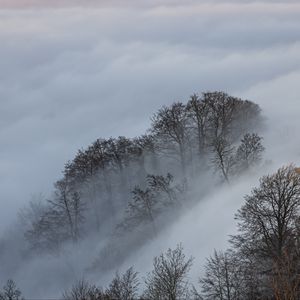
column 118, row 150
column 198, row 111
column 250, row 276
column 10, row 291
column 222, row 279
column 247, row 118
column 231, row 160
column 147, row 204
column 78, row 208
column 268, row 225
column 249, row 152
column 285, row 280
column 165, row 189
column 142, row 208
column 170, row 126
column 269, row 217
column 148, row 156
column 223, row 157
column 60, row 219
column 168, row 280
column 83, row 290
column 230, row 117
column 222, row 110
column 90, row 172
column 47, row 232
column 32, row 212
column 124, row 286
column 69, row 207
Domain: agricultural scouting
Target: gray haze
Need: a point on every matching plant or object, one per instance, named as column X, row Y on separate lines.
column 72, row 72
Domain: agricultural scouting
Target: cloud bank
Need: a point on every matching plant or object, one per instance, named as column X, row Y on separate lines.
column 72, row 72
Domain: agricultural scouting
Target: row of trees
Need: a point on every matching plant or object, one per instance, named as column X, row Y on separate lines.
column 122, row 183
column 167, row 280
column 263, row 262
column 189, row 131
column 65, row 213
column 231, row 160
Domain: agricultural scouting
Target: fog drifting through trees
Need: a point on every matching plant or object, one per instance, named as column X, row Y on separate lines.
column 74, row 236
column 125, row 217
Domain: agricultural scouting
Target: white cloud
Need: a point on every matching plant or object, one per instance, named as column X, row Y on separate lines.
column 70, row 75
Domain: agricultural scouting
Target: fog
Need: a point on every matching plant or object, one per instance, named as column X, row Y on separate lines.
column 71, row 73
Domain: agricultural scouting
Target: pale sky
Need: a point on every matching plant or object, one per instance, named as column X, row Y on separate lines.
column 73, row 71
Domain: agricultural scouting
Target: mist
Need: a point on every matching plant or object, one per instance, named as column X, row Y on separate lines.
column 72, row 73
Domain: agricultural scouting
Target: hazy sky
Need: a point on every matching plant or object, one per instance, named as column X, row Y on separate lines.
column 73, row 71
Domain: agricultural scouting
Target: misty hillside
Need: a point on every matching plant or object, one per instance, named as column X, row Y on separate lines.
column 121, row 197
column 128, row 188
column 119, row 194
column 149, row 150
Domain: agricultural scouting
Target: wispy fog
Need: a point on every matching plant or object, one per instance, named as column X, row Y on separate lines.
column 71, row 73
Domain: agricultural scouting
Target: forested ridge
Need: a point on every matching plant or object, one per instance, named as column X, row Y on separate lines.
column 130, row 182
column 125, row 191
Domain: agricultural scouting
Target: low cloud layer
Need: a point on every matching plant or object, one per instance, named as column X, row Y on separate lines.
column 100, row 3
column 71, row 73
